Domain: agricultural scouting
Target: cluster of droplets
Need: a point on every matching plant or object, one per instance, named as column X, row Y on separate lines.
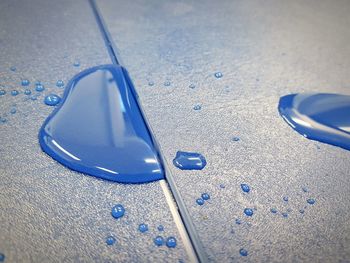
column 204, row 197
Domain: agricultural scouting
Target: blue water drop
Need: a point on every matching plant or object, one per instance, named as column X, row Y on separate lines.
column 39, row 87
column 14, row 92
column 160, row 228
column 76, row 63
column 13, row 68
column 2, row 92
column 305, row 190
column 218, row 75
column 34, row 97
column 243, row 252
column 238, row 221
column 27, row 92
column 25, row 82
column 322, row 117
column 171, row 242
column 110, row 240
column 13, row 111
column 159, row 241
column 189, row 161
column 3, row 120
column 285, row 198
column 200, row 201
column 52, row 100
column 192, row 86
column 99, row 129
column 167, row 83
column 143, row 228
column 222, row 186
column 118, row 211
column 150, row 83
column 245, row 188
column 205, row 196
column 273, row 210
column 197, row 107
column 310, row 201
column 2, row 257
column 248, row 212
column 59, row 83
column 301, row 211
column 235, row 139
column 284, row 214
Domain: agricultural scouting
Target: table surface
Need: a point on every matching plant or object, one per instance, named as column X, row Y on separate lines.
column 264, row 50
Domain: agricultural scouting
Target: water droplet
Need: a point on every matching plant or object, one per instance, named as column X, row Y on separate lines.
column 76, row 63
column 52, row 100
column 34, row 97
column 3, row 120
column 167, row 83
column 189, row 161
column 2, row 257
column 200, row 201
column 243, row 252
column 192, row 86
column 13, row 68
column 197, row 107
column 218, row 75
column 310, row 201
column 248, row 212
column 110, row 240
column 39, row 87
column 222, row 186
column 284, row 214
column 27, row 92
column 100, row 107
column 13, row 111
column 14, row 92
column 2, row 92
column 25, row 82
column 305, row 190
column 273, row 210
column 150, row 83
column 160, row 228
column 159, row 241
column 143, row 228
column 235, row 139
column 285, row 198
column 59, row 83
column 301, row 211
column 118, row 211
column 245, row 188
column 321, row 117
column 238, row 221
column 171, row 242
column 205, row 196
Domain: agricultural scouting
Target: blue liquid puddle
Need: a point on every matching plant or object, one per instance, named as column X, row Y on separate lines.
column 189, row 161
column 98, row 129
column 322, row 117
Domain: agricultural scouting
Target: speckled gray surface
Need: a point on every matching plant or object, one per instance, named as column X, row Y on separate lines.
column 264, row 49
column 49, row 213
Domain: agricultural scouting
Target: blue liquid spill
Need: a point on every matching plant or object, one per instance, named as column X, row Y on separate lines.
column 2, row 92
column 235, row 139
column 273, row 210
column 52, row 100
column 27, row 92
column 189, row 161
column 59, row 83
column 322, row 117
column 197, row 107
column 243, row 252
column 310, row 201
column 25, row 82
column 110, row 240
column 14, row 92
column 118, row 211
column 218, row 75
column 167, row 83
column 171, row 242
column 248, row 212
column 245, row 188
column 2, row 257
column 160, row 228
column 285, row 198
column 143, row 228
column 200, row 201
column 150, row 83
column 159, row 241
column 39, row 87
column 192, row 86
column 99, row 129
column 205, row 196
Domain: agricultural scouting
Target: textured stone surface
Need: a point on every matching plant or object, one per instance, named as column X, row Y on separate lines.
column 264, row 49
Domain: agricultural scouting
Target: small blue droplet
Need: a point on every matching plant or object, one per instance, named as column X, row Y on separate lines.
column 245, row 188
column 238, row 221
column 150, row 83
column 25, row 82
column 76, row 63
column 205, row 196
column 2, row 257
column 273, row 210
column 2, row 92
column 311, row 201
column 118, row 211
column 197, row 107
column 222, row 186
column 218, row 75
column 3, row 120
column 285, row 198
column 248, row 211
column 167, row 83
column 171, row 242
column 235, row 139
column 13, row 68
column 59, row 83
column 301, row 211
column 159, row 241
column 39, row 87
column 160, row 228
column 143, row 228
column 200, row 201
column 305, row 190
column 243, row 252
column 13, row 111
column 27, row 92
column 284, row 214
column 189, row 161
column 34, row 97
column 110, row 240
column 52, row 100
column 192, row 86
column 14, row 92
